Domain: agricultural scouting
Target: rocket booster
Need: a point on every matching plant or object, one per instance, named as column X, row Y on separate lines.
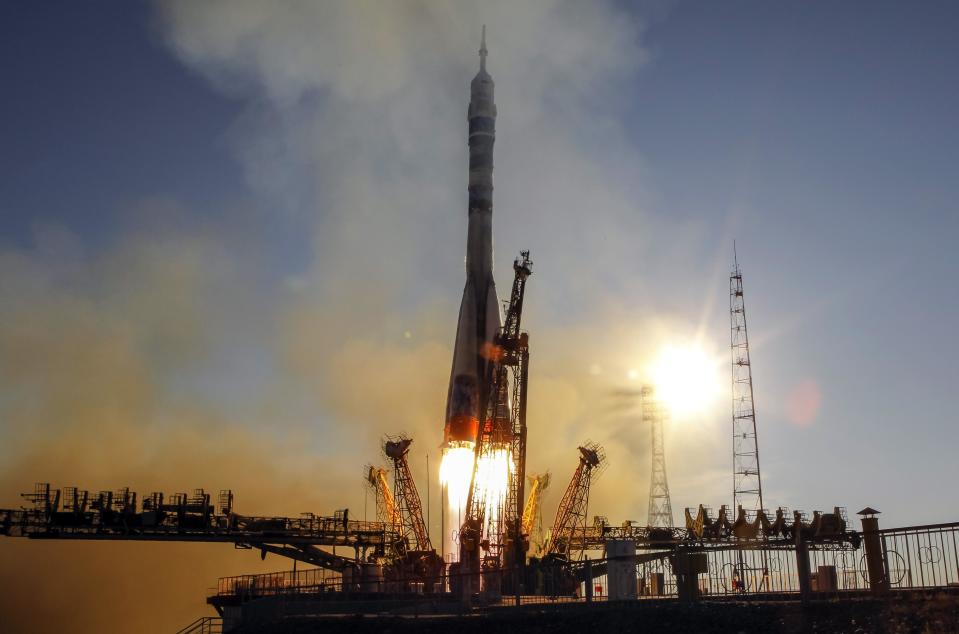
column 479, row 318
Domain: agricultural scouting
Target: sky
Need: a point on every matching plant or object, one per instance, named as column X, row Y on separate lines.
column 232, row 236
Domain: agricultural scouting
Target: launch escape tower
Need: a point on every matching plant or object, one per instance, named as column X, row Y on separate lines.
column 660, row 508
column 747, row 483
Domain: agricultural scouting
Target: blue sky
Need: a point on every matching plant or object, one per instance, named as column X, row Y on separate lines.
column 831, row 130
column 97, row 114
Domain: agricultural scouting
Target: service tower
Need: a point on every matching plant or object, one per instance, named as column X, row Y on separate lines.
column 479, row 319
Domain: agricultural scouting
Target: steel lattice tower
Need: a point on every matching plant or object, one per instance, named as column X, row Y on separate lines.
column 570, row 519
column 385, row 504
column 747, row 484
column 660, row 508
column 408, row 518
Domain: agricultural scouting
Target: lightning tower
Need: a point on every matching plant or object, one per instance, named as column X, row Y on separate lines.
column 747, row 484
column 660, row 508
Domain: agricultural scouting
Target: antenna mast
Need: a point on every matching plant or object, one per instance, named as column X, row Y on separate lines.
column 747, row 484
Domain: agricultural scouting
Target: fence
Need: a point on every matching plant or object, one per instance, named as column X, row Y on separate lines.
column 920, row 557
column 561, row 582
column 311, row 580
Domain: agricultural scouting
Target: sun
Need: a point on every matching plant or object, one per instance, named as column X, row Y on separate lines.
column 686, row 379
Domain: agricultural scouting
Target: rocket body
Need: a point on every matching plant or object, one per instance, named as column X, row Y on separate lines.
column 479, row 318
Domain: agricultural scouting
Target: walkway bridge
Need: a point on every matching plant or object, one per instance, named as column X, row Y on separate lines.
column 71, row 513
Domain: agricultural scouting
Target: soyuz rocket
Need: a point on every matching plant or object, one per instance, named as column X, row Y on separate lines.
column 479, row 318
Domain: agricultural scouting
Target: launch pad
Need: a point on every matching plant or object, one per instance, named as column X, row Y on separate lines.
column 785, row 557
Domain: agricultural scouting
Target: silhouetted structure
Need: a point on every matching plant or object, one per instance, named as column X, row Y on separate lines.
column 747, row 482
column 660, row 513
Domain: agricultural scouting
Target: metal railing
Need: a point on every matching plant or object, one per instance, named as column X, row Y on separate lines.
column 564, row 583
column 918, row 557
column 729, row 573
column 311, row 580
column 204, row 625
column 742, row 572
column 73, row 514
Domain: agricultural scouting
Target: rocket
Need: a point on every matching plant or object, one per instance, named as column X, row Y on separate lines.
column 479, row 318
